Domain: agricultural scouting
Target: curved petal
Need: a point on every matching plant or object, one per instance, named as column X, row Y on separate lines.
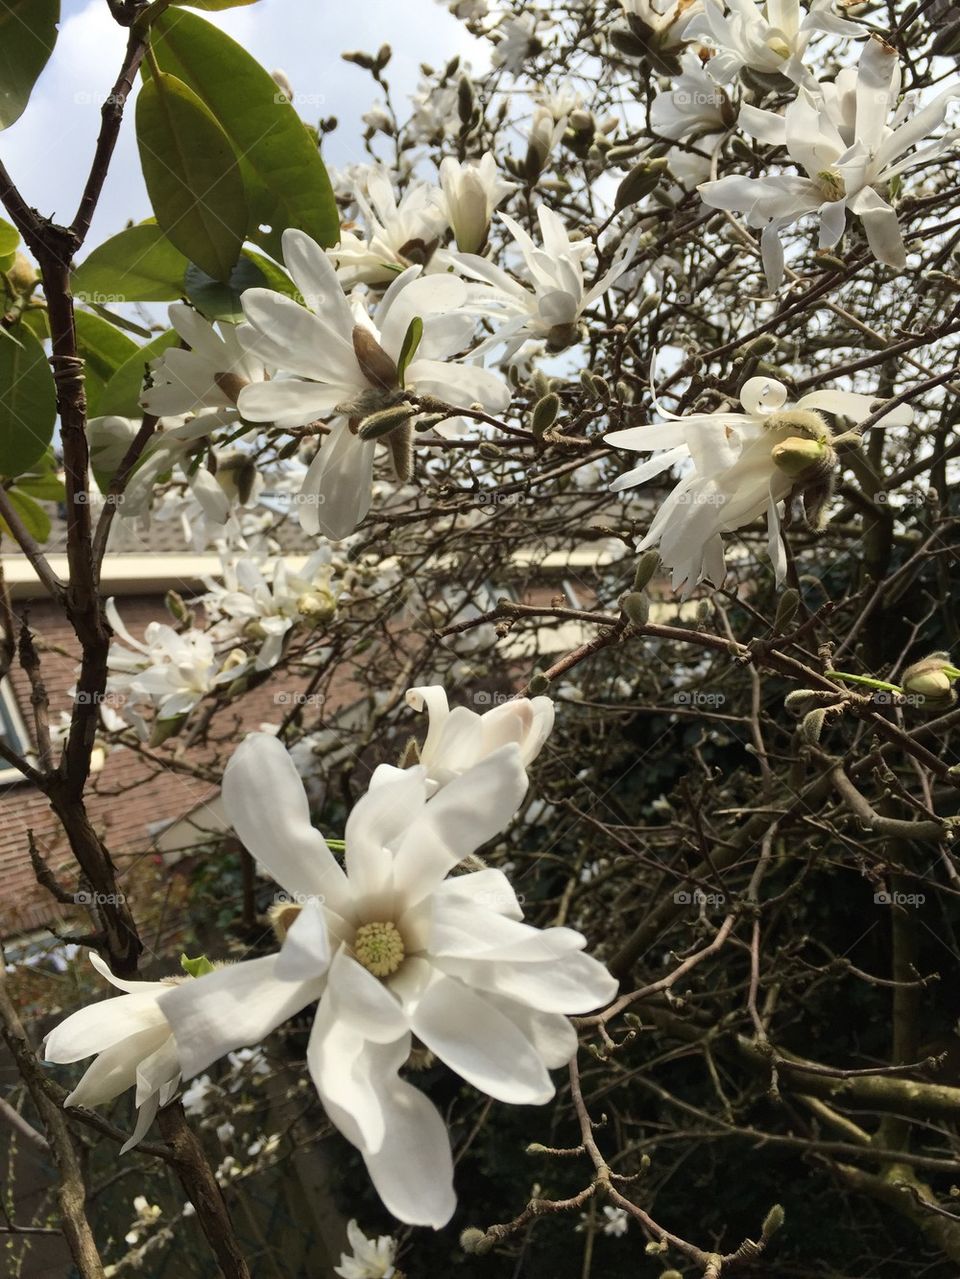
column 102, row 1025
column 376, row 825
column 483, row 1046
column 115, row 1070
column 338, row 487
column 463, row 815
column 233, row 1007
column 763, row 395
column 267, row 806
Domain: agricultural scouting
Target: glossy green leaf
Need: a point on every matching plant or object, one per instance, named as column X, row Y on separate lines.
column 28, row 32
column 192, row 175
column 121, row 395
column 28, row 403
column 103, row 349
column 286, row 180
column 9, row 235
column 37, row 321
column 33, row 517
column 222, row 301
column 138, row 265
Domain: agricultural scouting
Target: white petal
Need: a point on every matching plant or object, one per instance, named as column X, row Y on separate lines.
column 337, row 489
column 267, row 806
column 463, row 815
column 233, row 1007
column 482, row 1045
column 305, row 952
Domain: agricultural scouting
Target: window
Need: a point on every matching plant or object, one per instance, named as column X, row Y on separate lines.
column 13, row 733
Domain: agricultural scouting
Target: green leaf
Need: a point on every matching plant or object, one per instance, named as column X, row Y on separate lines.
column 121, row 395
column 192, row 175
column 35, row 319
column 45, row 488
column 33, row 517
column 275, row 276
column 287, row 183
column 103, row 348
column 408, row 347
column 198, row 967
column 28, row 403
column 28, row 32
column 9, row 235
column 138, row 265
column 222, row 301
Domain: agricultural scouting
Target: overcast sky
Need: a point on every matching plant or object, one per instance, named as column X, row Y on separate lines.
column 48, row 150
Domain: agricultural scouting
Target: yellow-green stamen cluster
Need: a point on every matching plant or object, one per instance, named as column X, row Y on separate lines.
column 379, row 948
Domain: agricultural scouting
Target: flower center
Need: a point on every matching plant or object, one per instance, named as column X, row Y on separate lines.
column 379, row 947
column 831, row 184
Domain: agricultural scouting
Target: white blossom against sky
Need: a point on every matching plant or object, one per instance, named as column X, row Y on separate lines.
column 48, row 150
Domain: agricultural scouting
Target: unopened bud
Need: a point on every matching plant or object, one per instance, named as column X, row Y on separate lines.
column 932, row 679
column 381, row 423
column 545, row 413
column 164, row 729
column 772, row 1222
column 811, row 726
column 799, row 455
column 475, row 1241
column 636, row 606
column 539, row 683
column 647, row 565
column 786, row 610
column 637, row 185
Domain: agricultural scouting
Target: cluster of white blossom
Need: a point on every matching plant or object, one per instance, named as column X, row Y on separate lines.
column 402, row 939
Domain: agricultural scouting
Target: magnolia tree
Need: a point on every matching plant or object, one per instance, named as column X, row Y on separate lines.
column 606, row 924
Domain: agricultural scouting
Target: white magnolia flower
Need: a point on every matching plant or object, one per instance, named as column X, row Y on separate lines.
column 559, row 296
column 694, row 109
column 617, row 1221
column 843, row 142
column 207, row 375
column 517, row 41
column 394, row 946
column 770, row 38
column 342, row 362
column 266, row 607
column 458, row 739
column 372, row 1259
column 744, row 466
column 470, row 194
column 664, row 20
column 134, row 1046
column 399, row 234
column 180, row 446
column 170, row 670
column 693, row 105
